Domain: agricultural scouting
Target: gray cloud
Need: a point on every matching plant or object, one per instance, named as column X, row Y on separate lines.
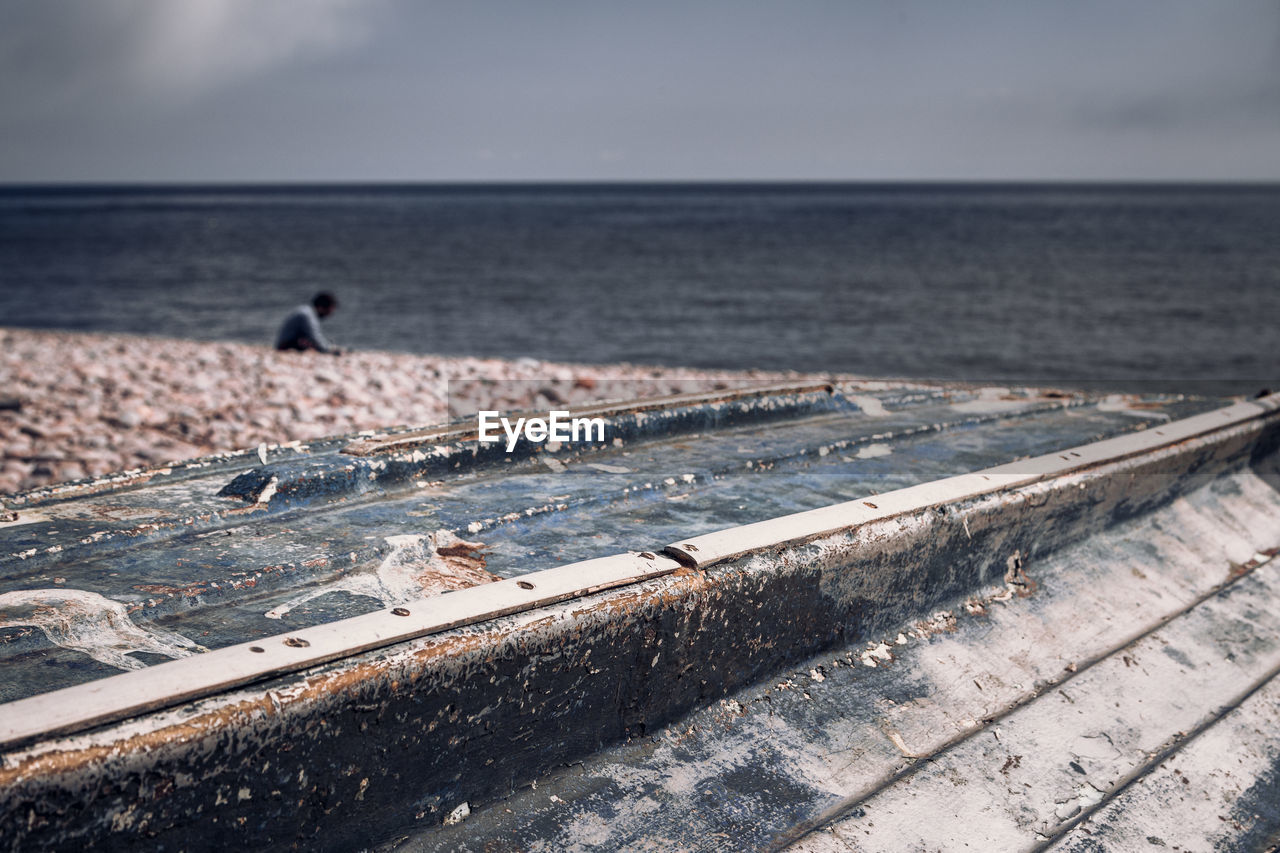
column 597, row 89
column 61, row 56
column 1238, row 110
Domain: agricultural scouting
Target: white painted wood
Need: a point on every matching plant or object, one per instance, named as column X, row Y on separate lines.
column 1190, row 801
column 1034, row 774
column 165, row 684
column 711, row 548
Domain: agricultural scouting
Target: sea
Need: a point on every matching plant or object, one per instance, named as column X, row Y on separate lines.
column 1147, row 286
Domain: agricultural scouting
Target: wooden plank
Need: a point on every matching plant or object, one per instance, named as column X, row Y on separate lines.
column 1037, row 773
column 163, row 685
column 711, row 548
column 1207, row 796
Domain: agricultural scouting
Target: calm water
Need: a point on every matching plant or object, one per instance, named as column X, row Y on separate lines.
column 1038, row 283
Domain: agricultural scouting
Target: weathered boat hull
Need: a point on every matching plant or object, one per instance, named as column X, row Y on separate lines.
column 783, row 652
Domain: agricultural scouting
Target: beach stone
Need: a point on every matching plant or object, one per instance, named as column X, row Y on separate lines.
column 93, row 404
column 69, row 471
column 18, row 447
column 32, row 429
column 16, row 468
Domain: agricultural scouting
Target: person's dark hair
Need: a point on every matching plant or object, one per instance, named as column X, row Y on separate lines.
column 324, row 299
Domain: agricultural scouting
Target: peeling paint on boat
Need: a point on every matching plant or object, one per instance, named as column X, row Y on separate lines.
column 416, row 565
column 873, row 451
column 870, row 406
column 90, row 623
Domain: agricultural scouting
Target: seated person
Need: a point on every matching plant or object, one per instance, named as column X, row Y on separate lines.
column 301, row 329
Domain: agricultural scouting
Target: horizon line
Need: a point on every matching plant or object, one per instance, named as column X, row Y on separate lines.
column 226, row 183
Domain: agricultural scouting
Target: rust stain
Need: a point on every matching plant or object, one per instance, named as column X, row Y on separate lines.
column 415, row 566
column 72, row 760
column 190, row 590
column 1137, row 403
column 106, row 511
column 109, row 483
column 942, row 622
column 236, row 580
column 466, row 566
column 1236, row 570
column 1016, row 578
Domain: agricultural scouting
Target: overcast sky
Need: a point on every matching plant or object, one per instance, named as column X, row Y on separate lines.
column 315, row 90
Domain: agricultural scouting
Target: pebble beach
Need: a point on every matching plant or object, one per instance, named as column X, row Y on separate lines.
column 76, row 405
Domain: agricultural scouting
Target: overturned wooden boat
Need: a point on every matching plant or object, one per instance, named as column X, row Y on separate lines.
column 875, row 616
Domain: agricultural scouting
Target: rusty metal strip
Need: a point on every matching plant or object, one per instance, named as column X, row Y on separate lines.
column 711, row 548
column 83, row 706
column 448, row 434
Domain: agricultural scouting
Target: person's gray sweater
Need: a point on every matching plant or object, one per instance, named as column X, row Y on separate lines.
column 302, row 322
